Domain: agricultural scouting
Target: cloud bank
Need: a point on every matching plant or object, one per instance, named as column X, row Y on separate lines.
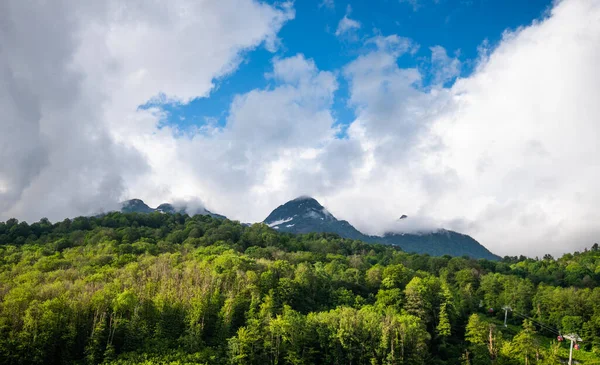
column 507, row 154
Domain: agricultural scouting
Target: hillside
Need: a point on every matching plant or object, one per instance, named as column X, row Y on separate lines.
column 168, row 288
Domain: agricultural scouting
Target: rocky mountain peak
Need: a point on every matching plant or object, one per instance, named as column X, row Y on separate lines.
column 300, row 209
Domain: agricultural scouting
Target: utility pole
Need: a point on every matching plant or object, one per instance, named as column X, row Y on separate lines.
column 573, row 338
column 506, row 309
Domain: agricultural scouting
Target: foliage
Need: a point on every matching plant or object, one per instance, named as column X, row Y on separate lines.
column 173, row 289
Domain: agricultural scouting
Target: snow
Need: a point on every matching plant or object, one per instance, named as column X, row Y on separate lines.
column 276, row 223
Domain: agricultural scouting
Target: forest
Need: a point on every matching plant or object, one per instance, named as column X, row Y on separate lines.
column 174, row 289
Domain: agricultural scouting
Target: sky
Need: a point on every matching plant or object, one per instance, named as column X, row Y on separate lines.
column 479, row 116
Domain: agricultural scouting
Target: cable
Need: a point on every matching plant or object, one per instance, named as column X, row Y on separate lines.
column 540, row 324
column 544, row 325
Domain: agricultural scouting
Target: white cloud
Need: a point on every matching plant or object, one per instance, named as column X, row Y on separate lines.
column 445, row 68
column 346, row 26
column 387, row 98
column 73, row 74
column 508, row 155
column 241, row 169
column 522, row 140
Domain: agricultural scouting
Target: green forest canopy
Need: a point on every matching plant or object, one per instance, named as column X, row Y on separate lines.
column 169, row 288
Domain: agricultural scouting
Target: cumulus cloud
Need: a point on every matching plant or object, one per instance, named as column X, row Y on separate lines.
column 507, row 154
column 521, row 139
column 51, row 134
column 73, row 74
column 242, row 168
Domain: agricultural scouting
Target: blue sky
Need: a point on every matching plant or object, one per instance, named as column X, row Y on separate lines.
column 459, row 26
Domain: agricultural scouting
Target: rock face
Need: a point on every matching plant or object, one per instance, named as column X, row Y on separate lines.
column 305, row 215
column 138, row 206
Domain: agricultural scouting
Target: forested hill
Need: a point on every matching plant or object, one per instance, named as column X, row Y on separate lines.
column 172, row 289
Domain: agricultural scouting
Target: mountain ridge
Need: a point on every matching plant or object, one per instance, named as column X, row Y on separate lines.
column 305, row 214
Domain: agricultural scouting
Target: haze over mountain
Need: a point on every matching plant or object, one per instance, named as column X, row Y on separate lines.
column 138, row 206
column 305, row 215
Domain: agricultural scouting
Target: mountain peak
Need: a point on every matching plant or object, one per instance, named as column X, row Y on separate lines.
column 135, row 205
column 302, row 208
column 305, row 214
column 304, row 201
column 302, row 198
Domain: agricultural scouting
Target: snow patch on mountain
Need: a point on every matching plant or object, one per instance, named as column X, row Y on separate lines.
column 278, row 222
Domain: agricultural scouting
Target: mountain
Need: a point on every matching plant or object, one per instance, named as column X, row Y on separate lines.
column 138, row 206
column 439, row 243
column 135, row 206
column 305, row 215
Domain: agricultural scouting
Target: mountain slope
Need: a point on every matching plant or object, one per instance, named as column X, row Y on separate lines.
column 138, row 206
column 439, row 243
column 305, row 215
